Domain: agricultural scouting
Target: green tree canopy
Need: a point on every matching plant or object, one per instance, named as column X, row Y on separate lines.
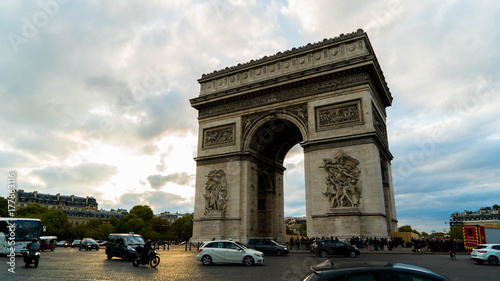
column 303, row 229
column 183, row 227
column 4, row 206
column 34, row 211
column 142, row 211
column 456, row 232
column 407, row 228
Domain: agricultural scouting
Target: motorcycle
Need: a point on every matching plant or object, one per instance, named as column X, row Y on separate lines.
column 31, row 257
column 144, row 257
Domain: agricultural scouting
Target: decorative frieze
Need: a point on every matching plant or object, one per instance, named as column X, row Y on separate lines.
column 339, row 114
column 326, row 52
column 219, row 136
column 283, row 94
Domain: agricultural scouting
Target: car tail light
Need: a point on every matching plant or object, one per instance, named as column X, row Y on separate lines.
column 200, row 250
column 482, row 252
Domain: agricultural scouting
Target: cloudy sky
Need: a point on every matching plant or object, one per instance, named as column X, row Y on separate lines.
column 94, row 95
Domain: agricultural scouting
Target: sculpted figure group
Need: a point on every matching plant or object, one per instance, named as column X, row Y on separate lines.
column 216, row 192
column 341, row 181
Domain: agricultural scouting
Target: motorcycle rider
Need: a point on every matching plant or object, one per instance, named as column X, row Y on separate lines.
column 145, row 252
column 34, row 246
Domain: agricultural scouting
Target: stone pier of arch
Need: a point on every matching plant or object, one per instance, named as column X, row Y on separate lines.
column 330, row 97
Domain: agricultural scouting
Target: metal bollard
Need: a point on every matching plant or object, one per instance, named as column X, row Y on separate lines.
column 168, row 246
column 186, row 246
column 190, row 245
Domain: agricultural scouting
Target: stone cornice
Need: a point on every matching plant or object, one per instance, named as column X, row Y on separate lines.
column 342, row 51
column 226, row 103
column 342, row 38
column 350, row 140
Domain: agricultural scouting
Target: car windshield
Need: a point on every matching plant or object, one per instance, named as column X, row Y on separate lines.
column 91, row 242
column 133, row 240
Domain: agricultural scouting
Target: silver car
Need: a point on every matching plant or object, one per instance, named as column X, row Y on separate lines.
column 227, row 251
column 486, row 252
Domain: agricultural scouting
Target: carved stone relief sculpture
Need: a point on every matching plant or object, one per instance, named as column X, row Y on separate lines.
column 216, row 192
column 219, row 136
column 341, row 181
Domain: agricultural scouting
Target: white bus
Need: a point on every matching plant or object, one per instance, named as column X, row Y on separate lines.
column 18, row 233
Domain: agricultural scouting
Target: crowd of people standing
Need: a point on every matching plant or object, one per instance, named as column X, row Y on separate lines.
column 372, row 243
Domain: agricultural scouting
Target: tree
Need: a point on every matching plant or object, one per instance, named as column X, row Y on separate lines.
column 56, row 223
column 31, row 211
column 4, row 206
column 182, row 228
column 456, row 232
column 142, row 211
column 407, row 228
column 303, row 229
column 289, row 231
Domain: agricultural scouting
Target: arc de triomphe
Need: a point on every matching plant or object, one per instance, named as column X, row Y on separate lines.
column 331, row 98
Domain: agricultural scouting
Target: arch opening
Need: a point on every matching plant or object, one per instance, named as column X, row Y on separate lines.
column 272, row 141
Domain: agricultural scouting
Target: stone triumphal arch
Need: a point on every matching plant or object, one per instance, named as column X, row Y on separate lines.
column 330, row 97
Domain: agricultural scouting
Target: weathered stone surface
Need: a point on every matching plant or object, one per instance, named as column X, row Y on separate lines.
column 330, row 97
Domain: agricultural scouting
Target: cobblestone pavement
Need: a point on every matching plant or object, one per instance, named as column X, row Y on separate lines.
column 178, row 264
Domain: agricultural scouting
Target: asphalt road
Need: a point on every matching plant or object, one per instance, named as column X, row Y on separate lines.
column 178, row 264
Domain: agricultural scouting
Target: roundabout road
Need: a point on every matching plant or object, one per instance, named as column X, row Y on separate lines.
column 178, row 264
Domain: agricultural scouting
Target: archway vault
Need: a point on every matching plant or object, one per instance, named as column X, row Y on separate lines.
column 274, row 134
column 330, row 97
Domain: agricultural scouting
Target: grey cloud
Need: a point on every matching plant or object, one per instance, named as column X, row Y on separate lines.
column 159, row 201
column 83, row 176
column 158, row 181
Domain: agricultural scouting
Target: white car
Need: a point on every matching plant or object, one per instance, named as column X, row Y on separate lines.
column 227, row 251
column 486, row 252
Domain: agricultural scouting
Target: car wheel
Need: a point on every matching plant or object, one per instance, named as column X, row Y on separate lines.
column 480, row 261
column 323, row 254
column 352, row 254
column 248, row 260
column 124, row 257
column 154, row 262
column 109, row 256
column 493, row 260
column 135, row 262
column 206, row 260
column 279, row 252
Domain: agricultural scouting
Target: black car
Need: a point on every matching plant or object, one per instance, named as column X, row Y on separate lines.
column 88, row 244
column 327, row 247
column 123, row 245
column 267, row 246
column 348, row 271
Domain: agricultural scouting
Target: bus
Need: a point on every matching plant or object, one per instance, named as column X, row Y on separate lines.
column 18, row 233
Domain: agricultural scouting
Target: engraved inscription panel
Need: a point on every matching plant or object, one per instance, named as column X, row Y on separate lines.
column 219, row 136
column 341, row 114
